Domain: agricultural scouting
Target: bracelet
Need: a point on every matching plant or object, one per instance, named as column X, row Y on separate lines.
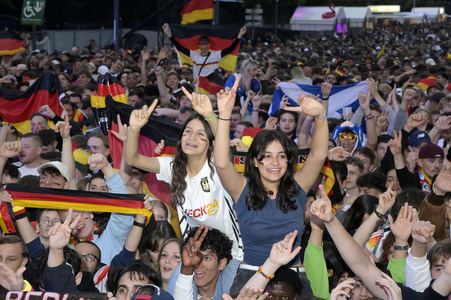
column 369, row 117
column 255, row 110
column 222, row 119
column 400, row 248
column 319, row 118
column 211, row 119
column 378, row 214
column 263, row 274
column 325, row 99
column 142, row 225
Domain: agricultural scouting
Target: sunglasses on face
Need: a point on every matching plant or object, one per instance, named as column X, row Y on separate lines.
column 349, row 136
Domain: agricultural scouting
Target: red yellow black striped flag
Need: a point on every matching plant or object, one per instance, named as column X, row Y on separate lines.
column 11, row 43
column 16, row 107
column 37, row 197
column 197, row 10
column 221, row 37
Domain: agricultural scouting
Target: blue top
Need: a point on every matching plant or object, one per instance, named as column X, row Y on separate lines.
column 260, row 229
column 241, row 91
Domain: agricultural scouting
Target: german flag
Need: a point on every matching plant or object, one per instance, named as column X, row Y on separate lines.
column 10, row 43
column 16, row 107
column 80, row 117
column 339, row 71
column 197, row 10
column 220, row 37
column 37, row 197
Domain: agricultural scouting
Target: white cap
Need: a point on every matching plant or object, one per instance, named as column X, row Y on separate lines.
column 430, row 61
column 56, row 165
column 102, row 70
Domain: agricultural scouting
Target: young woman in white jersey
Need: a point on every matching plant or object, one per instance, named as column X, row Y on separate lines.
column 195, row 187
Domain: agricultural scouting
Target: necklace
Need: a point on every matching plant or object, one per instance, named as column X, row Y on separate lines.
column 206, row 298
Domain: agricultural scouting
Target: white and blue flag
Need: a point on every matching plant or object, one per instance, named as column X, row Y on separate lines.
column 340, row 96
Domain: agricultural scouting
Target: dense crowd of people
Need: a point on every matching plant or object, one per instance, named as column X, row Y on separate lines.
column 380, row 230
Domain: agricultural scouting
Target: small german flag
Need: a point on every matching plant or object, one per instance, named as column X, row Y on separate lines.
column 10, row 43
column 197, row 10
column 339, row 71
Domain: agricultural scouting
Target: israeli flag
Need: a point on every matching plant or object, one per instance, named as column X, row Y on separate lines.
column 340, row 96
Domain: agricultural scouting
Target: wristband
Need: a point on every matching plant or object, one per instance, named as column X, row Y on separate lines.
column 255, row 110
column 325, row 99
column 400, row 248
column 222, row 119
column 142, row 225
column 378, row 214
column 211, row 119
column 319, row 118
column 263, row 274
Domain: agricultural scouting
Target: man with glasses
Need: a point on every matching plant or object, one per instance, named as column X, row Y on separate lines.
column 46, row 218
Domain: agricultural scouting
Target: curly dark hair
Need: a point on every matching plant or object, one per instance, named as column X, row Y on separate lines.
column 136, row 270
column 215, row 241
column 257, row 196
column 180, row 162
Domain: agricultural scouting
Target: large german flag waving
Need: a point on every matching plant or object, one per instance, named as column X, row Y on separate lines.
column 10, row 43
column 197, row 10
column 16, row 107
column 221, row 37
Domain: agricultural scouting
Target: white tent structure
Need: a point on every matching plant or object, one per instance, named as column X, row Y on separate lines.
column 432, row 14
column 310, row 18
column 358, row 16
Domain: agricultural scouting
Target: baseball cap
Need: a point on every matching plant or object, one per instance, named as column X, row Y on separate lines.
column 418, row 137
column 431, row 151
column 430, row 61
column 56, row 165
column 158, row 294
column 102, row 70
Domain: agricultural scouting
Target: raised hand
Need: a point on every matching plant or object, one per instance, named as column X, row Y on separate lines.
column 191, row 254
column 381, row 121
column 271, row 123
column 337, row 154
column 390, row 287
column 386, row 200
column 402, row 228
column 442, row 182
column 326, row 88
column 309, row 106
column 63, row 127
column 139, row 117
column 395, row 143
column 372, row 86
column 10, row 280
column 226, row 98
column 414, row 121
column 145, row 55
column 242, row 32
column 147, row 203
column 423, row 231
column 283, row 102
column 321, row 207
column 59, row 234
column 123, row 130
column 10, row 149
column 256, row 100
column 364, row 101
column 45, row 110
column 342, row 290
column 281, row 252
column 97, row 161
column 167, row 29
column 201, row 103
column 159, row 147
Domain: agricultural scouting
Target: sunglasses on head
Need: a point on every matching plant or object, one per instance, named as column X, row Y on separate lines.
column 348, row 135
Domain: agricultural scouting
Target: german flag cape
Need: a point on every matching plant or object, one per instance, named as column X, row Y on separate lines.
column 16, row 107
column 37, row 197
column 10, row 43
column 197, row 10
column 220, row 37
column 239, row 160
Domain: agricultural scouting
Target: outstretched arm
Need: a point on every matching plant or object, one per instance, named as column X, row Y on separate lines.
column 232, row 181
column 138, row 119
column 308, row 174
column 67, row 156
column 349, row 250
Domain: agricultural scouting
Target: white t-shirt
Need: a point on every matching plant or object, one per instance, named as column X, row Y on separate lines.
column 211, row 64
column 24, row 171
column 206, row 202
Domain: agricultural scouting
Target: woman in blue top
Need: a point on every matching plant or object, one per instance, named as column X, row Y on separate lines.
column 248, row 70
column 270, row 197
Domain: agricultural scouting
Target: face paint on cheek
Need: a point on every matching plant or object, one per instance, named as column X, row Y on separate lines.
column 203, row 140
